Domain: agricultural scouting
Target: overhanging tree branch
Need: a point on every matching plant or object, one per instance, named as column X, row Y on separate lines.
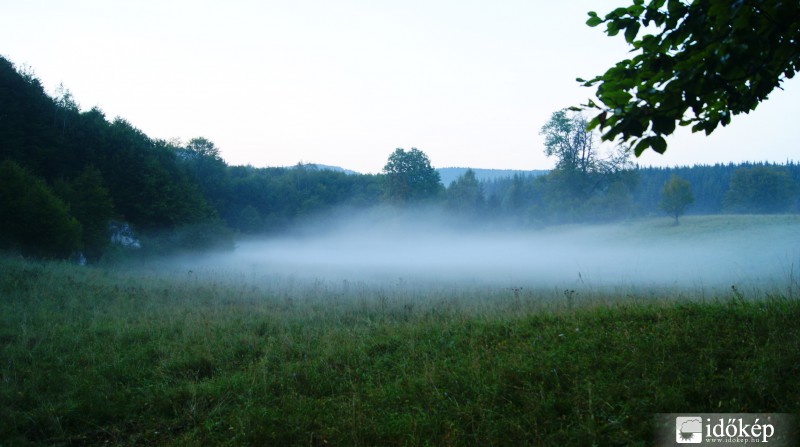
column 709, row 60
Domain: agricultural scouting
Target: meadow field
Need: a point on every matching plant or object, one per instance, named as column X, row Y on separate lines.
column 200, row 350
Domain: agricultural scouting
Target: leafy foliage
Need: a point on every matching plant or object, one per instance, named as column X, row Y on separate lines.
column 149, row 186
column 101, row 169
column 676, row 195
column 410, row 177
column 705, row 61
column 580, row 183
column 54, row 140
column 567, row 138
column 760, row 189
column 270, row 199
column 90, row 203
column 34, row 220
column 202, row 159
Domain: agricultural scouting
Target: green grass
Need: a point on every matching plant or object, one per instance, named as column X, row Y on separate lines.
column 704, row 225
column 94, row 356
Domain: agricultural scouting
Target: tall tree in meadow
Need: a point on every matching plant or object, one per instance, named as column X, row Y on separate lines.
column 410, row 177
column 676, row 195
column 582, row 171
column 567, row 139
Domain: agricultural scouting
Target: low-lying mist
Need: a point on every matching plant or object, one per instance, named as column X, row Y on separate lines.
column 704, row 252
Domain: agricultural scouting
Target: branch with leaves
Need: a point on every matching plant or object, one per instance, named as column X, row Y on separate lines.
column 705, row 61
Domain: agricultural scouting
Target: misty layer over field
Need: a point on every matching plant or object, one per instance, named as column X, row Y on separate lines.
column 702, row 252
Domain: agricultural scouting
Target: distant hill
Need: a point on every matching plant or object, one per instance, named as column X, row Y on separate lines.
column 321, row 167
column 334, row 168
column 450, row 174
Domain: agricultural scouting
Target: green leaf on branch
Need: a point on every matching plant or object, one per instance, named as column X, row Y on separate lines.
column 663, row 125
column 594, row 21
column 631, row 32
column 658, row 143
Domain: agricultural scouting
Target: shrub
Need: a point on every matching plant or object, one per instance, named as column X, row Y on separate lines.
column 34, row 220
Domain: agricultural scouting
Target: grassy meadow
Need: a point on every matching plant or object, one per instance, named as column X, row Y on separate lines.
column 149, row 356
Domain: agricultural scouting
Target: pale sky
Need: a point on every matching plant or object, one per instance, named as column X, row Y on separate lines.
column 344, row 83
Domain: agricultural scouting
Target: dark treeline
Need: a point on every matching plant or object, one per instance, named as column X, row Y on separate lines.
column 71, row 179
column 726, row 188
column 722, row 188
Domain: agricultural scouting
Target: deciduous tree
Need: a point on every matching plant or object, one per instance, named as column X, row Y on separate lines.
column 410, row 177
column 696, row 64
column 581, row 169
column 91, row 204
column 676, row 195
column 567, row 138
column 32, row 218
column 205, row 164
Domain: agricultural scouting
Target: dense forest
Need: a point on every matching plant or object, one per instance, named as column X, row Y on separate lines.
column 744, row 188
column 70, row 180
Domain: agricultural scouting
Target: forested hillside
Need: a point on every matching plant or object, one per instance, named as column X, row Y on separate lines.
column 87, row 170
column 99, row 170
column 69, row 178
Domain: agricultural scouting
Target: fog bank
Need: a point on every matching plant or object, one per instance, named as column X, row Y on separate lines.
column 703, row 252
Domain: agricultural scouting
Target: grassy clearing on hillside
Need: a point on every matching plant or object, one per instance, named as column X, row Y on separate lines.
column 93, row 356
